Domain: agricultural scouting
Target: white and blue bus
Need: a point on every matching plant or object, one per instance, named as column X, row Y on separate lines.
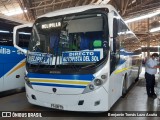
column 80, row 59
column 12, row 61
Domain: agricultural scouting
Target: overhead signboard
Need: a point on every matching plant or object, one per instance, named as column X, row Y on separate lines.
column 80, row 56
column 40, row 58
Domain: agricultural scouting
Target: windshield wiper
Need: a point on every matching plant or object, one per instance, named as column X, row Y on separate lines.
column 73, row 64
column 88, row 66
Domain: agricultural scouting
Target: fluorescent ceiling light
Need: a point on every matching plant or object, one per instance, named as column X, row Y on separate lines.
column 24, row 33
column 14, row 12
column 127, row 32
column 3, row 31
column 133, row 1
column 155, row 29
column 143, row 17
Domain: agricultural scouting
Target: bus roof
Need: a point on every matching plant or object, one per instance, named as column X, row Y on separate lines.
column 76, row 10
column 81, row 9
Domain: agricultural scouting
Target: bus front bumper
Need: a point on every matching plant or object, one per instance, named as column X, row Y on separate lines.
column 96, row 101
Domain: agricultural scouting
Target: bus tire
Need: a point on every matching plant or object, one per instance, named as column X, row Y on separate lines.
column 124, row 86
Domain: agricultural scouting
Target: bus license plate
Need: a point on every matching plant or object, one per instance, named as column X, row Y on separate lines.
column 57, row 106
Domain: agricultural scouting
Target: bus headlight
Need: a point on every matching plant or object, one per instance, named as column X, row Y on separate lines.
column 28, row 82
column 103, row 76
column 91, row 87
column 98, row 82
column 95, row 84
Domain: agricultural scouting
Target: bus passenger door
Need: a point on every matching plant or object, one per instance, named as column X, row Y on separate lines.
column 1, row 77
column 115, row 78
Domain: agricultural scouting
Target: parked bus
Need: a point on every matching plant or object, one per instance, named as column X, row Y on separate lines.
column 12, row 61
column 80, row 59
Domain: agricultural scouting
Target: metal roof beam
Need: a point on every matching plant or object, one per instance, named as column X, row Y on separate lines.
column 125, row 7
column 36, row 7
column 70, row 3
column 93, row 1
column 116, row 4
column 28, row 5
column 38, row 2
column 22, row 7
column 144, row 10
column 85, row 2
column 77, row 3
column 144, row 2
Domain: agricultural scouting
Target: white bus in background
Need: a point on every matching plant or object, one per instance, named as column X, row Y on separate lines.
column 80, row 59
column 12, row 61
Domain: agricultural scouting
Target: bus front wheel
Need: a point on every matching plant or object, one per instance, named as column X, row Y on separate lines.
column 124, row 87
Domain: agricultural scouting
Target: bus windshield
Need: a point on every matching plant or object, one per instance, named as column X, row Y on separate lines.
column 74, row 41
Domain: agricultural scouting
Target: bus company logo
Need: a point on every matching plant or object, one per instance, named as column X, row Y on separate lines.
column 6, row 114
column 5, row 51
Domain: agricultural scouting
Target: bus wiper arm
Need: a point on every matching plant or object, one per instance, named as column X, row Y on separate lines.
column 73, row 65
column 91, row 65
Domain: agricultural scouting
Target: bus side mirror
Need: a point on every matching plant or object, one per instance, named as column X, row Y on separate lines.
column 16, row 36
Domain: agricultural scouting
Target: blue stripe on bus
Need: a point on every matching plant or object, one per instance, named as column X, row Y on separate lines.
column 121, row 61
column 58, row 85
column 88, row 77
column 9, row 58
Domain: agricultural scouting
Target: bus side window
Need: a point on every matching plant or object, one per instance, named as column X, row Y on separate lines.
column 24, row 36
column 6, row 39
column 24, row 40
